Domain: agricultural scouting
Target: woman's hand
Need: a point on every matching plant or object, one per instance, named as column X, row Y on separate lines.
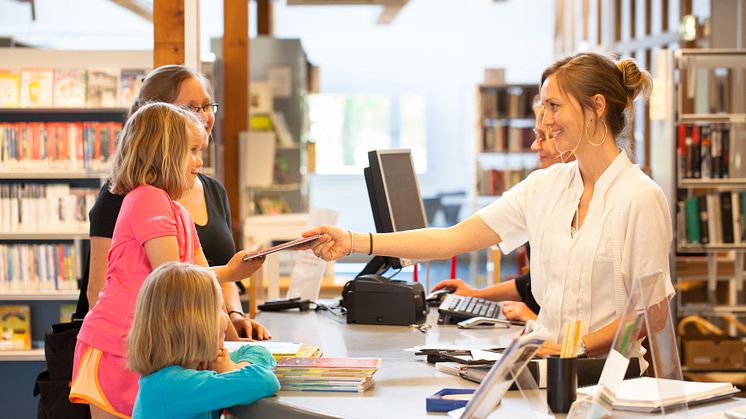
column 518, row 310
column 236, row 269
column 249, row 328
column 333, row 244
column 222, row 363
column 458, row 286
column 548, row 349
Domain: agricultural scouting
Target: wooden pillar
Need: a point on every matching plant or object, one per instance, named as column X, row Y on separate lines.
column 265, row 17
column 236, row 97
column 168, row 32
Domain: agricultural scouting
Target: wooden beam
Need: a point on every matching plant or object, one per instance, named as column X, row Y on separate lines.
column 617, row 21
column 632, row 19
column 586, row 20
column 649, row 18
column 664, row 16
column 265, row 17
column 236, row 97
column 168, row 32
column 599, row 23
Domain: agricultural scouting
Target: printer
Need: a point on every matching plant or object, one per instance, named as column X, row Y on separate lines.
column 374, row 299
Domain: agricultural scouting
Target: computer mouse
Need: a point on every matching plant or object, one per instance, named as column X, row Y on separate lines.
column 436, row 296
column 482, row 322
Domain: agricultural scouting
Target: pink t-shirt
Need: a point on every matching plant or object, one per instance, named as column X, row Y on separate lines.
column 147, row 213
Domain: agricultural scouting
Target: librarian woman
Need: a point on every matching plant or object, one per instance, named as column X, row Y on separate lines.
column 593, row 224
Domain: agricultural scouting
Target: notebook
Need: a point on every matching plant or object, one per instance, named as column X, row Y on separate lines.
column 643, row 394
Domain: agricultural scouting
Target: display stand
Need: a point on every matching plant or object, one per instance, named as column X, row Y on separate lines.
column 511, row 368
column 647, row 314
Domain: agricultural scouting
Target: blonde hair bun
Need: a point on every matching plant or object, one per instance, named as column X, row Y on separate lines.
column 637, row 82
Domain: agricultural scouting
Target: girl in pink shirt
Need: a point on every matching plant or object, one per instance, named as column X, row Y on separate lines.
column 157, row 160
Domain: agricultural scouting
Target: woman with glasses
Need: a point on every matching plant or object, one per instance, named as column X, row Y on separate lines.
column 207, row 202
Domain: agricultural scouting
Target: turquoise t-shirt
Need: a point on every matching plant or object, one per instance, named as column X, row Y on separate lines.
column 177, row 392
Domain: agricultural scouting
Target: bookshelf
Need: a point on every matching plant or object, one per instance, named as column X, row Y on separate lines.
column 53, row 161
column 274, row 176
column 698, row 137
column 505, row 123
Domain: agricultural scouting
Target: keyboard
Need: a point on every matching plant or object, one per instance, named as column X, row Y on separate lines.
column 460, row 307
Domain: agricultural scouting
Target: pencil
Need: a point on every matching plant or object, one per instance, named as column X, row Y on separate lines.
column 577, row 337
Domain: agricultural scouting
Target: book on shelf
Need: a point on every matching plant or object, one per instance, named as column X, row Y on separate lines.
column 130, row 82
column 713, row 218
column 48, row 207
column 15, row 324
column 647, row 394
column 491, row 182
column 103, row 88
column 10, row 88
column 38, row 267
column 57, row 145
column 36, row 88
column 67, row 311
column 704, row 151
column 69, row 88
column 271, row 205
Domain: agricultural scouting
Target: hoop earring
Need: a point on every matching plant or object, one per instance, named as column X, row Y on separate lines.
column 606, row 133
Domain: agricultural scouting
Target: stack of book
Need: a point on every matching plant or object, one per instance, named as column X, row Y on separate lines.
column 327, row 374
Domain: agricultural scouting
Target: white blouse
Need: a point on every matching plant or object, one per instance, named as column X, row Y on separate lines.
column 587, row 276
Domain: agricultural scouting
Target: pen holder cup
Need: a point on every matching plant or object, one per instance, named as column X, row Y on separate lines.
column 562, row 383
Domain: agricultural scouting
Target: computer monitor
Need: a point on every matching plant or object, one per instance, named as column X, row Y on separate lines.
column 395, row 200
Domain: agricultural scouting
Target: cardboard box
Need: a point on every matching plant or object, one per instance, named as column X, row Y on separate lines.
column 714, row 354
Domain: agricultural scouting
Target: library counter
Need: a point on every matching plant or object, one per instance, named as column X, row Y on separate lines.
column 403, row 382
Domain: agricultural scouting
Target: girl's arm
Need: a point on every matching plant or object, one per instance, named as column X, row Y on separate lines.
column 161, row 250
column 196, row 392
column 97, row 269
column 426, row 243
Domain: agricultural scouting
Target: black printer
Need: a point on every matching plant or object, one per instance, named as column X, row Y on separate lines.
column 374, row 299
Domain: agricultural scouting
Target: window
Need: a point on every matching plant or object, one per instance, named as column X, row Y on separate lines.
column 346, row 127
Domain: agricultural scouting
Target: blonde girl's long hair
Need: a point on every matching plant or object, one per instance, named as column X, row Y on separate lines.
column 153, row 150
column 176, row 319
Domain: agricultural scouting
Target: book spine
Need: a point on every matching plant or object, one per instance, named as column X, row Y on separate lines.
column 692, row 221
column 726, row 209
column 725, row 136
column 696, row 153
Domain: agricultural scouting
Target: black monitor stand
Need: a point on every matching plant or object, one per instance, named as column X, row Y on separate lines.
column 376, row 266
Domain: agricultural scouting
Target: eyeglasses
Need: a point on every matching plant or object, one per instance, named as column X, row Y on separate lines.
column 540, row 135
column 206, row 108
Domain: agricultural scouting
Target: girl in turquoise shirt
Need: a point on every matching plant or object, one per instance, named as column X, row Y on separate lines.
column 176, row 344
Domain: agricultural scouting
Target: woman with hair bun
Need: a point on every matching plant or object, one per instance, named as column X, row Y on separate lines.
column 595, row 225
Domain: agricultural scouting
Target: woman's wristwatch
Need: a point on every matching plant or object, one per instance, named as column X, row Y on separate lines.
column 581, row 349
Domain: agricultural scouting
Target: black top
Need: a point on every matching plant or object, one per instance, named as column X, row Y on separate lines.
column 523, row 285
column 215, row 237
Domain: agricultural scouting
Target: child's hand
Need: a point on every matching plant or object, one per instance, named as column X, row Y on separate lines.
column 223, row 362
column 237, row 269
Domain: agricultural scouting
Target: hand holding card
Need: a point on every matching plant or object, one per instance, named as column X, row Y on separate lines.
column 287, row 245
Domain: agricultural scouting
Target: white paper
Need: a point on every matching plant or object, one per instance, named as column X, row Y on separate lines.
column 308, row 271
column 257, row 158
